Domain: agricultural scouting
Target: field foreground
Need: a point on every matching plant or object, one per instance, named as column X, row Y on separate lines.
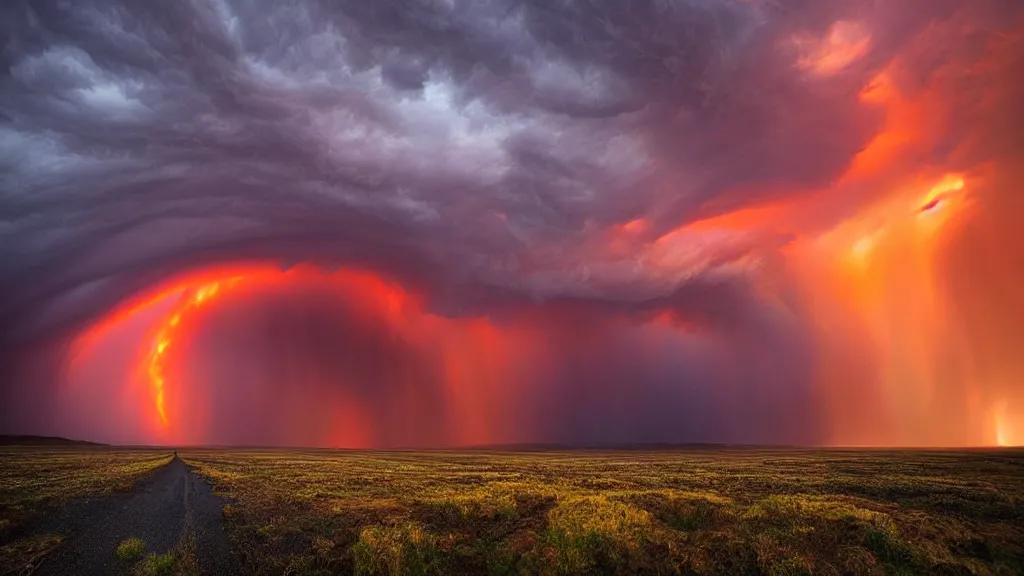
column 731, row 512
column 36, row 479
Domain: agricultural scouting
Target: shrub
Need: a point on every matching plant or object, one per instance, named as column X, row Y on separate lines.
column 159, row 565
column 405, row 549
column 590, row 534
column 131, row 549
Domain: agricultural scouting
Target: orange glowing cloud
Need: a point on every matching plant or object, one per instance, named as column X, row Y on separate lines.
column 199, row 290
column 185, row 294
column 472, row 354
column 893, row 365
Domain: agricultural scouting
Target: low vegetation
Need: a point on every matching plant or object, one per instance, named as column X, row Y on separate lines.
column 731, row 512
column 179, row 561
column 36, row 478
column 23, row 555
column 33, row 478
column 131, row 549
column 158, row 565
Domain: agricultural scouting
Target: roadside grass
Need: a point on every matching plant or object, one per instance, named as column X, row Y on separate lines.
column 23, row 556
column 130, row 549
column 729, row 512
column 182, row 560
column 158, row 565
column 34, row 479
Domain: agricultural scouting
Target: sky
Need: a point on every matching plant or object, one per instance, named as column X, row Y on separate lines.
column 444, row 223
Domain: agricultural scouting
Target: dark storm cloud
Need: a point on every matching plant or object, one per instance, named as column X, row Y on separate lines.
column 731, row 370
column 137, row 136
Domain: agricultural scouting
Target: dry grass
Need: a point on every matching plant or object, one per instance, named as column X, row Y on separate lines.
column 732, row 512
column 23, row 556
column 33, row 479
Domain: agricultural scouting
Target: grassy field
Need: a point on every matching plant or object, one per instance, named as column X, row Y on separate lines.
column 34, row 479
column 733, row 512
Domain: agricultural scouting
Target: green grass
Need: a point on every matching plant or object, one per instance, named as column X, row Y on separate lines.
column 130, row 549
column 733, row 512
column 35, row 479
column 158, row 565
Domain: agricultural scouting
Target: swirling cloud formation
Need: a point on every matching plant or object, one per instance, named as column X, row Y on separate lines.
column 438, row 222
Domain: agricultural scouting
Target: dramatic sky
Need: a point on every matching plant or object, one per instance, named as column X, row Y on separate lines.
column 447, row 222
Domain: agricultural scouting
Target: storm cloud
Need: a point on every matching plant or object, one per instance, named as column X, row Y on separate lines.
column 543, row 165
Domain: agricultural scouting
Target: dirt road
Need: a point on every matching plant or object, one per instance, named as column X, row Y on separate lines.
column 173, row 511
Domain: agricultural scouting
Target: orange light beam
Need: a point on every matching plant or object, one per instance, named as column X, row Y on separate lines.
column 165, row 337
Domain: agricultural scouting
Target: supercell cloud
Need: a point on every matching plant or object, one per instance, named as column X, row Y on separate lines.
column 429, row 223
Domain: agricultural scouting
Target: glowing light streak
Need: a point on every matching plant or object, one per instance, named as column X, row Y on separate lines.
column 165, row 336
column 202, row 289
column 1008, row 432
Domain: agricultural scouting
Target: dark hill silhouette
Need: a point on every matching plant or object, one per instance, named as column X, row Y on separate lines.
column 30, row 440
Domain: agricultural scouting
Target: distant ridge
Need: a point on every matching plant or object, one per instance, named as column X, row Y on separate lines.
column 29, row 440
column 624, row 446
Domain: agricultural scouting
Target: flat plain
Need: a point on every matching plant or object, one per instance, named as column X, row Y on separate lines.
column 686, row 511
column 725, row 511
